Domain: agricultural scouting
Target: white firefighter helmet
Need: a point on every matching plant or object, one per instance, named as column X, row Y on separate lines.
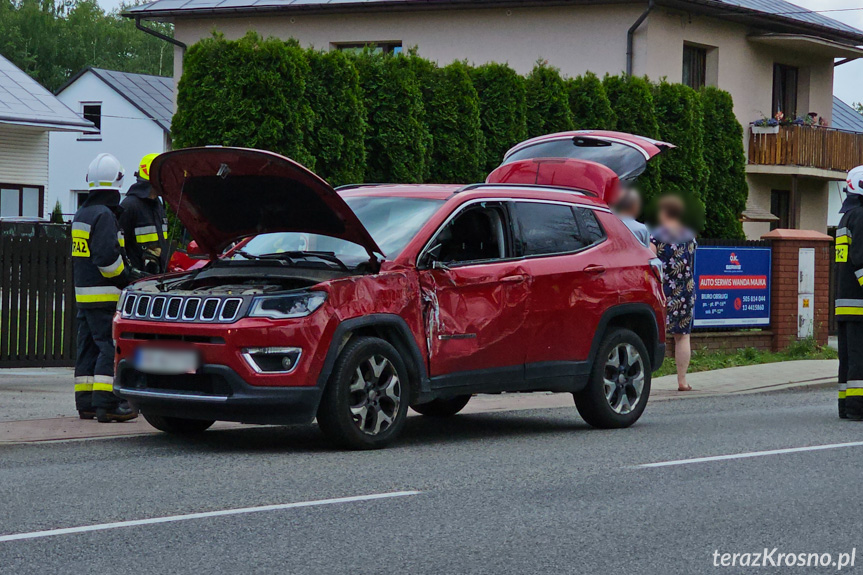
column 854, row 181
column 104, row 173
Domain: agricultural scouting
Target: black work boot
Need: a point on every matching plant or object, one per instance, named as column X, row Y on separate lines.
column 87, row 413
column 121, row 412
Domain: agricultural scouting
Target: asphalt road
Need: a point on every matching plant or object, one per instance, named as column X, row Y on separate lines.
column 516, row 492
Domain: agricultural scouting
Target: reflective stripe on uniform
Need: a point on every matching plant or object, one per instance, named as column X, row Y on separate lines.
column 83, row 383
column 165, row 230
column 146, row 234
column 849, row 306
column 103, row 383
column 121, row 239
column 114, row 269
column 102, row 184
column 97, row 294
column 80, row 230
column 859, row 275
column 855, row 388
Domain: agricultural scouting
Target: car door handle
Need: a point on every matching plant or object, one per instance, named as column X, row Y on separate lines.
column 595, row 269
column 514, row 279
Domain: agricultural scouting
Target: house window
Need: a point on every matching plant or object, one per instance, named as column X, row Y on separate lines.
column 780, row 207
column 92, row 111
column 785, row 90
column 19, row 200
column 376, row 47
column 694, row 66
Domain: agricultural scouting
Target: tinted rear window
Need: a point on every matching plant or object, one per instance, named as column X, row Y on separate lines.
column 625, row 161
column 547, row 229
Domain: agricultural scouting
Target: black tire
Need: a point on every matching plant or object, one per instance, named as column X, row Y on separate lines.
column 372, row 416
column 442, row 407
column 178, row 425
column 609, row 410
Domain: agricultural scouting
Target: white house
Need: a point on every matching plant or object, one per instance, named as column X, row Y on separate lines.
column 28, row 113
column 132, row 118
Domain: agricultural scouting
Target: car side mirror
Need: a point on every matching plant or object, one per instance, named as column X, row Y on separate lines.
column 193, row 250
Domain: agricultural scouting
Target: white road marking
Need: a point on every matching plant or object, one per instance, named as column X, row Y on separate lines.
column 751, row 454
column 204, row 515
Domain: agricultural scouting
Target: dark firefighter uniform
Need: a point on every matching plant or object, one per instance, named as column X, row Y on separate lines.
column 145, row 228
column 100, row 272
column 849, row 305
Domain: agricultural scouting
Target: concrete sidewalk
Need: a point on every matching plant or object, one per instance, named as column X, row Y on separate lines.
column 37, row 404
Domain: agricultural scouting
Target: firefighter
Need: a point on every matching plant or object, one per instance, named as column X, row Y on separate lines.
column 100, row 272
column 144, row 223
column 849, row 298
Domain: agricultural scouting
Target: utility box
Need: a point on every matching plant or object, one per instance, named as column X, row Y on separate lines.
column 806, row 293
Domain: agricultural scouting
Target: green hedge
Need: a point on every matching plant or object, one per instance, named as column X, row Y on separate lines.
column 502, row 110
column 398, row 138
column 726, row 190
column 683, row 170
column 248, row 92
column 590, row 106
column 336, row 139
column 401, row 118
column 547, row 101
column 454, row 123
column 632, row 102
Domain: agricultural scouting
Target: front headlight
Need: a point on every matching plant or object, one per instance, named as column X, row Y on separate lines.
column 287, row 306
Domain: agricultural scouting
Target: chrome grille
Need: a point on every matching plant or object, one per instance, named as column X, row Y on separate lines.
column 174, row 308
column 181, row 308
column 190, row 309
column 208, row 312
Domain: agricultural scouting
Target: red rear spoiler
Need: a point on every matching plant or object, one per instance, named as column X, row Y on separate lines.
column 591, row 177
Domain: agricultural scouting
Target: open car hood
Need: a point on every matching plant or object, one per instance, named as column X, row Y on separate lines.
column 626, row 154
column 225, row 194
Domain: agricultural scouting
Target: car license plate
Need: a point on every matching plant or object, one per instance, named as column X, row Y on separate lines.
column 166, row 361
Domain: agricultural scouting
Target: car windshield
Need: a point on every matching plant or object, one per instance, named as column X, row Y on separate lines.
column 391, row 221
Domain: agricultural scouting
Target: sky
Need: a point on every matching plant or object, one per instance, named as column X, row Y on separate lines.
column 848, row 83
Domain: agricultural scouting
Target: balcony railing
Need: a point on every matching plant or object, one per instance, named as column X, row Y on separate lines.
column 808, row 147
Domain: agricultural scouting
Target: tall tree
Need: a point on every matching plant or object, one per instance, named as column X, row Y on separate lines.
column 726, row 191
column 632, row 101
column 52, row 40
column 337, row 137
column 590, row 106
column 547, row 101
column 502, row 110
column 454, row 122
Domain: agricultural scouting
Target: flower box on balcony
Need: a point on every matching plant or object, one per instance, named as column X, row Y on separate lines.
column 765, row 129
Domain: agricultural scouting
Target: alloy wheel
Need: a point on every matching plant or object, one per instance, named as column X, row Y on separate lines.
column 375, row 395
column 623, row 378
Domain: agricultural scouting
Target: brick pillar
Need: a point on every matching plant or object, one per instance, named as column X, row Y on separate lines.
column 784, row 281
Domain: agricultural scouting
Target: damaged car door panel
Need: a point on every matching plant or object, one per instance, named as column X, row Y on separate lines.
column 350, row 306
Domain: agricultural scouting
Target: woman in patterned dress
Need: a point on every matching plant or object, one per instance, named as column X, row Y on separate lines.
column 675, row 246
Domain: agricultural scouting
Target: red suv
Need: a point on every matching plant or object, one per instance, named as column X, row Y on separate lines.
column 350, row 306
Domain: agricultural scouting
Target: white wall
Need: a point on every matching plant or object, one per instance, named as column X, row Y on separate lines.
column 126, row 133
column 24, row 156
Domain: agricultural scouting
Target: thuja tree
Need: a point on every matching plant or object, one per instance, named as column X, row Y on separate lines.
column 547, row 101
column 397, row 137
column 726, row 190
column 454, row 122
column 502, row 110
column 589, row 104
column 248, row 92
column 632, row 102
column 337, row 135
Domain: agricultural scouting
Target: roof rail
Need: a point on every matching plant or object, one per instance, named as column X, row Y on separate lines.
column 368, row 185
column 552, row 188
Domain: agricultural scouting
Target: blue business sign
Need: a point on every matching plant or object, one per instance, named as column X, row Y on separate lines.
column 732, row 287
